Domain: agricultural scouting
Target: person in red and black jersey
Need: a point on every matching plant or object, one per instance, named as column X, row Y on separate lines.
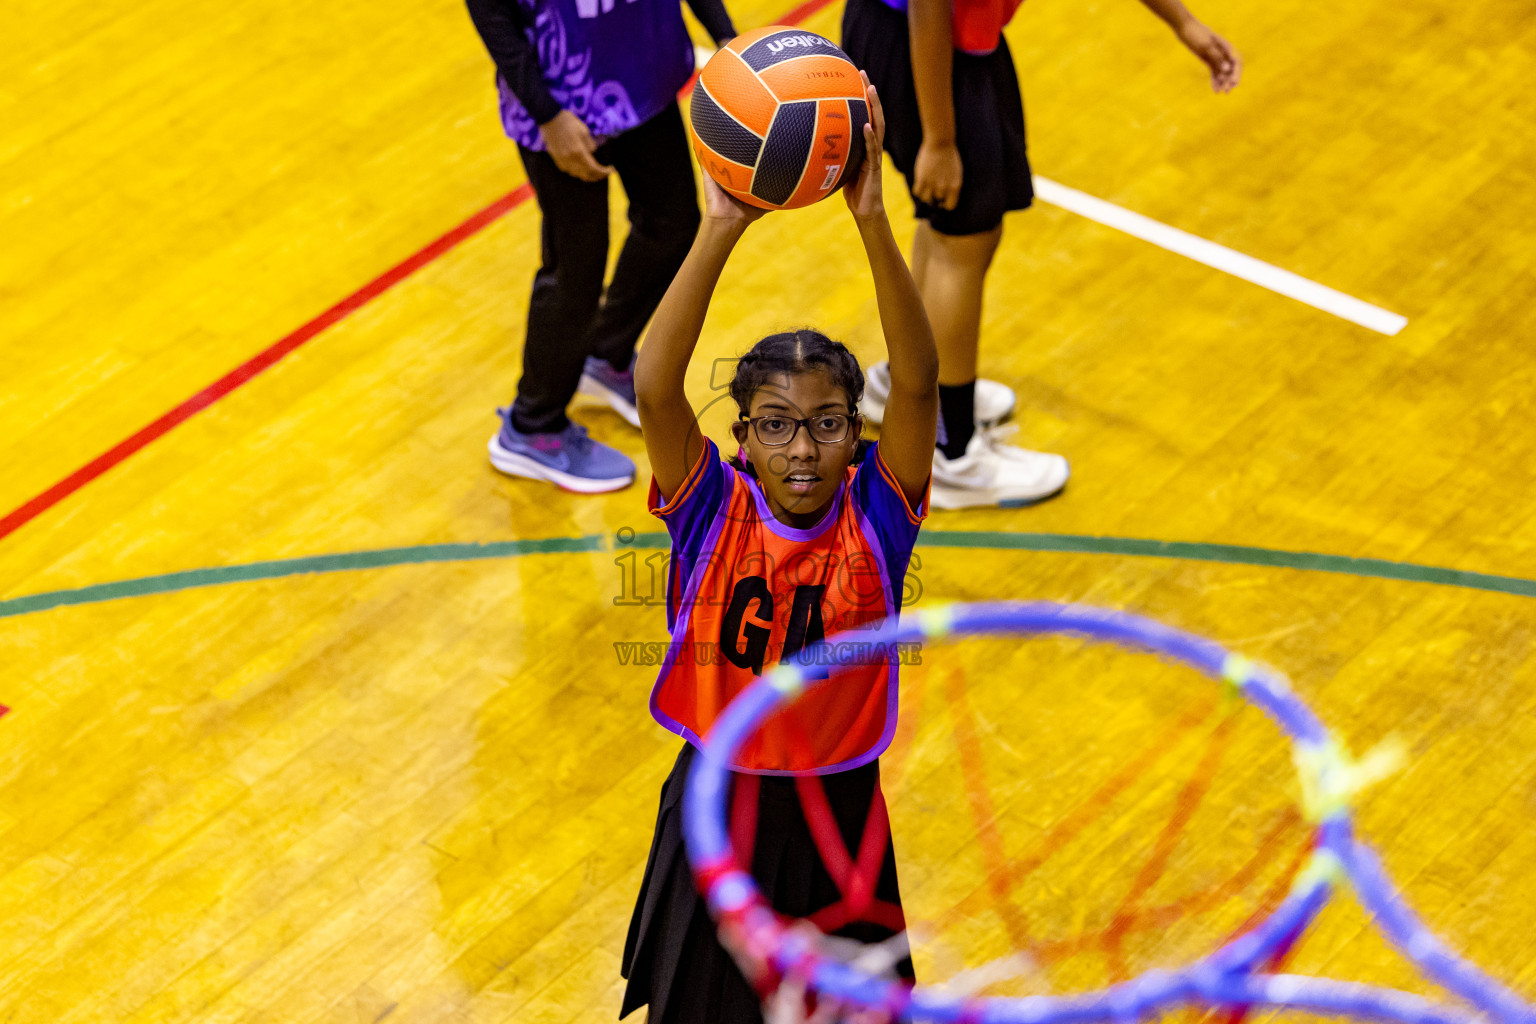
column 957, row 133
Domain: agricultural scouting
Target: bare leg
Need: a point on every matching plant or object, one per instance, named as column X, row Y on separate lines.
column 922, row 250
column 966, row 475
column 953, row 274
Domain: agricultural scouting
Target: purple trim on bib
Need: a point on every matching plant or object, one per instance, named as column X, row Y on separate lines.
column 685, row 607
column 779, row 529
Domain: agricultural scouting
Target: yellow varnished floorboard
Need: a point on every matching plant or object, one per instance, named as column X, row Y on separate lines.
column 425, row 792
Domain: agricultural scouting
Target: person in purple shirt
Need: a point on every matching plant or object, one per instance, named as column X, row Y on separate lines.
column 589, row 88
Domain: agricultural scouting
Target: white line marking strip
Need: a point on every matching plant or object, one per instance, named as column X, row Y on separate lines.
column 1219, row 256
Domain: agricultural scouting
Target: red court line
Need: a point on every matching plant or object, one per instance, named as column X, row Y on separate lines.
column 264, row 360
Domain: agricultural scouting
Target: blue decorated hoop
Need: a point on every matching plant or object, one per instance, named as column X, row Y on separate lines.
column 764, row 945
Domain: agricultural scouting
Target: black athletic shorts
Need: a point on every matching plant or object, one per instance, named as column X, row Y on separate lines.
column 989, row 118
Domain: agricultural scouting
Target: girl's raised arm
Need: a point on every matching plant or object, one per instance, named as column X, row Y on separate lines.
column 672, row 437
column 912, row 411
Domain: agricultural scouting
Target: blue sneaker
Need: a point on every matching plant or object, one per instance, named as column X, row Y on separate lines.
column 569, row 459
column 616, row 387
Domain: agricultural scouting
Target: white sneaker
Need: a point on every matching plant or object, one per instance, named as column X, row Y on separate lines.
column 993, row 473
column 994, row 401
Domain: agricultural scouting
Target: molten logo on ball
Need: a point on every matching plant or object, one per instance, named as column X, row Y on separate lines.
column 810, row 42
column 778, row 118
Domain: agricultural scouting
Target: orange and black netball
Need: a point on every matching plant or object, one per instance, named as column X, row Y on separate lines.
column 778, row 117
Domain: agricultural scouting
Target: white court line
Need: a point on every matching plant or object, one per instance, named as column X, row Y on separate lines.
column 1219, row 256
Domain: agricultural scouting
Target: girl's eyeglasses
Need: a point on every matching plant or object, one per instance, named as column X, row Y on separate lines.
column 775, row 431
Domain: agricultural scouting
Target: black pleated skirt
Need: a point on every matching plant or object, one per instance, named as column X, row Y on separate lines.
column 989, row 118
column 673, row 959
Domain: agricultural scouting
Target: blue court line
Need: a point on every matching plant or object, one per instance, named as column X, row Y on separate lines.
column 988, row 540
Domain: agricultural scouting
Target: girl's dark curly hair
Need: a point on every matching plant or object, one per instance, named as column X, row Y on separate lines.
column 791, row 352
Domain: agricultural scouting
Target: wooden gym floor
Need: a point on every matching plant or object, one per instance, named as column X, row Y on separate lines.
column 419, row 785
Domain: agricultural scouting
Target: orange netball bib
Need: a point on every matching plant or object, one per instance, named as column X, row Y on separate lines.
column 745, row 591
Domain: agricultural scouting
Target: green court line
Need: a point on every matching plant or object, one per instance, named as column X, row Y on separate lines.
column 190, row 579
column 1234, row 554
